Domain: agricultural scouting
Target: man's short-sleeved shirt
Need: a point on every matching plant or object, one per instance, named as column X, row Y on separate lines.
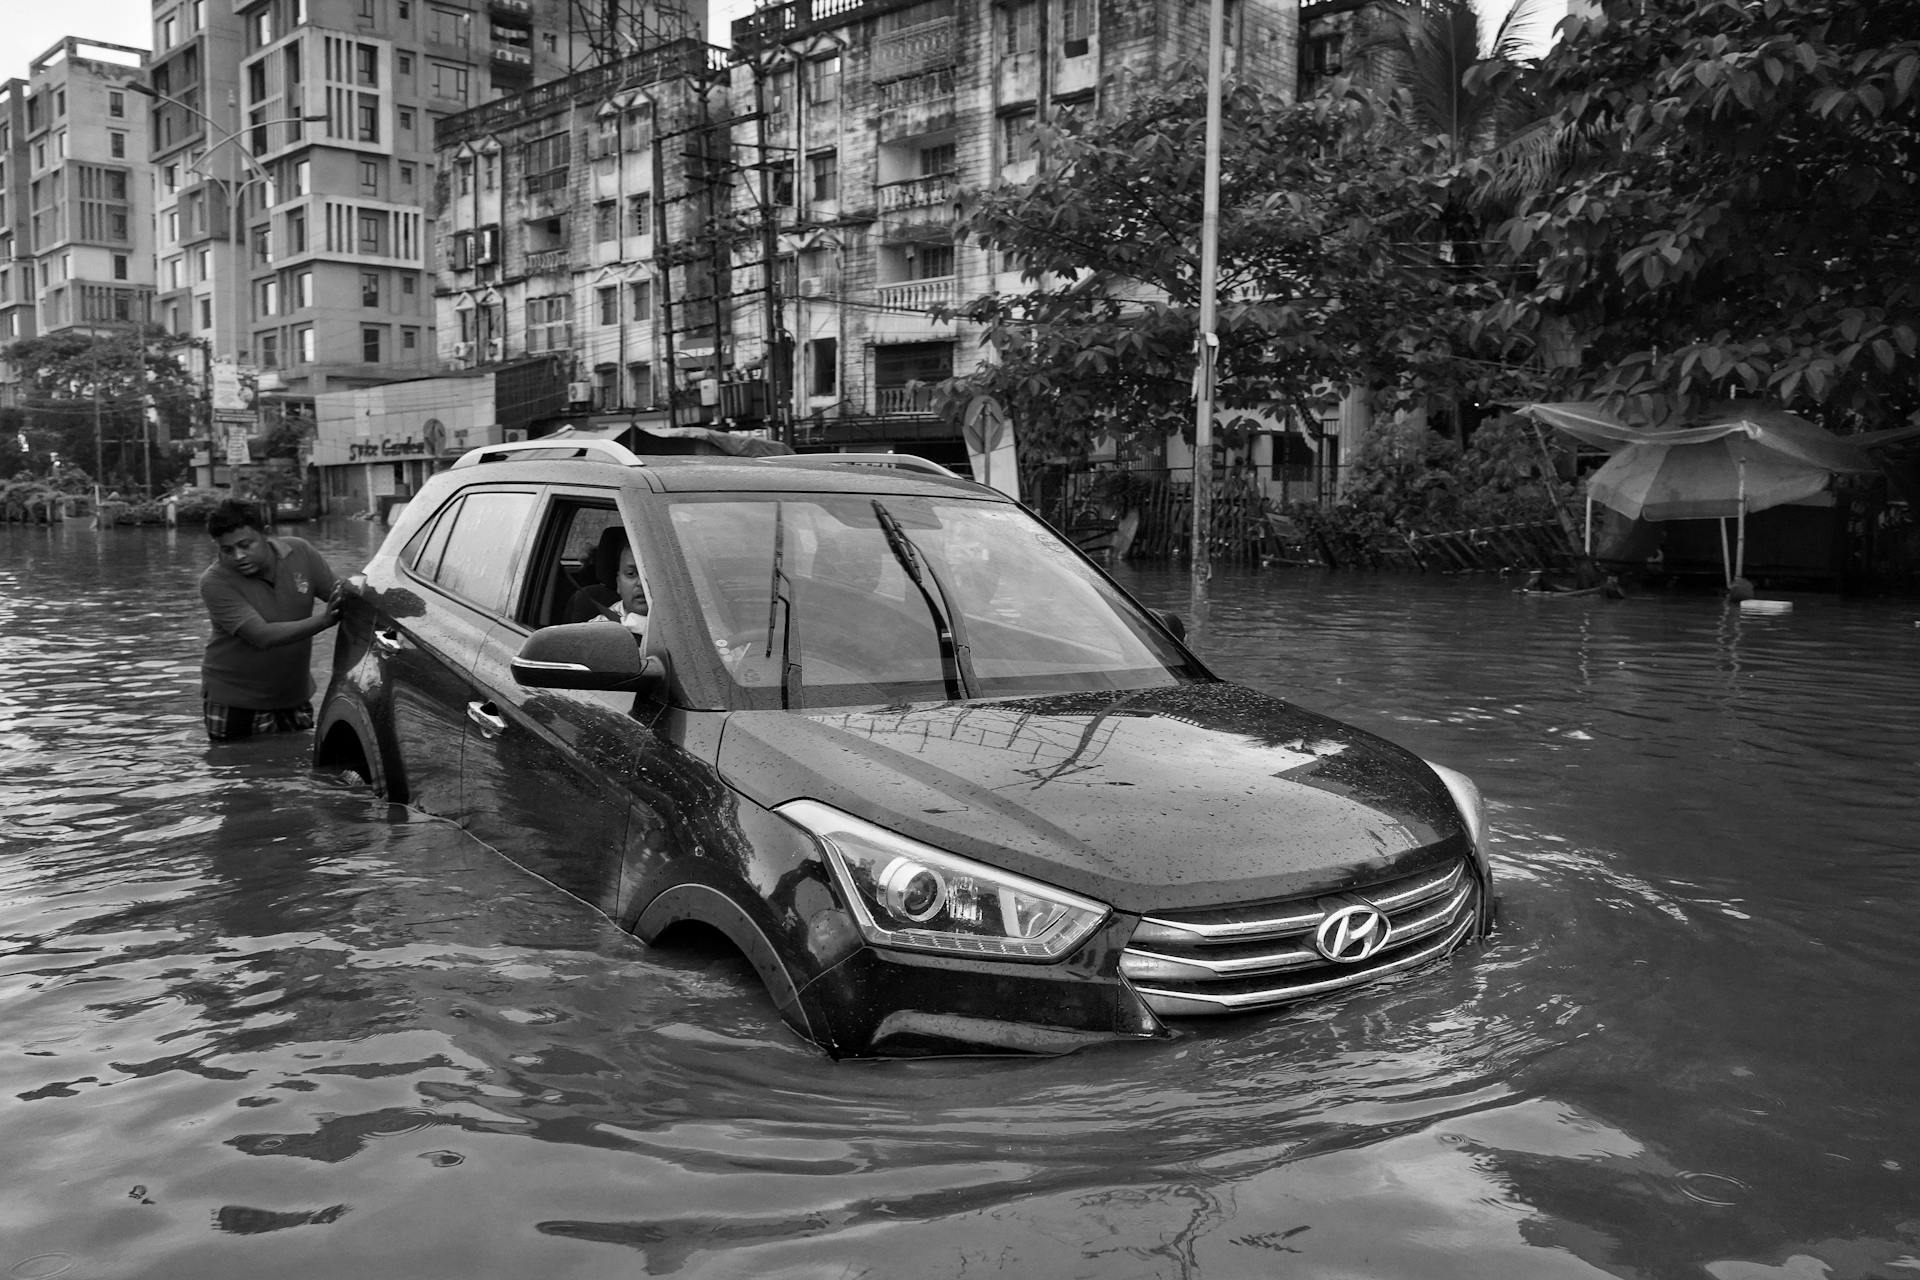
column 235, row 673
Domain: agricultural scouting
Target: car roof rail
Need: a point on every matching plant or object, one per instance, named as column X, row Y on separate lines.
column 903, row 461
column 549, row 449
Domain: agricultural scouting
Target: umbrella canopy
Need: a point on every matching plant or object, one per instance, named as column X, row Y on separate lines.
column 1741, row 458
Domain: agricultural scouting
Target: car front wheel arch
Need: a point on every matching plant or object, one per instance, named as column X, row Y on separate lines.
column 706, row 905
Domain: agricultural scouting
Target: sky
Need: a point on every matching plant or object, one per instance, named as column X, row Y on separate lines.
column 33, row 26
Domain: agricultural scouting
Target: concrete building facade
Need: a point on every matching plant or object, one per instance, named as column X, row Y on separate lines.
column 77, row 221
column 294, row 149
column 760, row 240
column 873, row 117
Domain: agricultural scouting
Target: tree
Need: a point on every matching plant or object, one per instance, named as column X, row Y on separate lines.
column 1737, row 209
column 1447, row 87
column 1330, row 270
column 79, row 388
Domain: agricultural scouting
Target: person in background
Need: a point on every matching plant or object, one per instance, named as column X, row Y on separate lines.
column 260, row 595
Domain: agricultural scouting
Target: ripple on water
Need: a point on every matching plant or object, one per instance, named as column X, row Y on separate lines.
column 328, row 1037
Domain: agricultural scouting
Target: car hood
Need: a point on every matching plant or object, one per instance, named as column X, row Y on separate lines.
column 1150, row 800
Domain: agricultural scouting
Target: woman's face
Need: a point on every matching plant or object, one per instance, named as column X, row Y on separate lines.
column 633, row 599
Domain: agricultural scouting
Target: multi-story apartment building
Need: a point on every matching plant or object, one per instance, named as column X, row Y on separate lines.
column 761, row 242
column 17, row 318
column 79, row 211
column 873, row 116
column 293, row 146
column 577, row 215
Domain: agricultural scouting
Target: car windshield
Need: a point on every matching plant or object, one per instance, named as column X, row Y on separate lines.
column 837, row 600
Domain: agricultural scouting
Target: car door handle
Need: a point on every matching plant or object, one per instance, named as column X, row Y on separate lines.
column 483, row 715
column 387, row 641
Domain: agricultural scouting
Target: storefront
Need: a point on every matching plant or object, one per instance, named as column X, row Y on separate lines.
column 375, row 444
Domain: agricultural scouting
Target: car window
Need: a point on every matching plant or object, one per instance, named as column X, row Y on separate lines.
column 423, row 551
column 817, row 581
column 481, row 543
column 568, row 569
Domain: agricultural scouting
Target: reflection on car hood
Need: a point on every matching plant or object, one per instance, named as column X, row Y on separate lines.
column 1151, row 800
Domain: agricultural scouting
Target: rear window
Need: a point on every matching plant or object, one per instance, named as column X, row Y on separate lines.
column 472, row 548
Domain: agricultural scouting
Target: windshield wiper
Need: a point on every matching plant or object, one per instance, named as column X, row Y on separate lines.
column 780, row 594
column 954, row 650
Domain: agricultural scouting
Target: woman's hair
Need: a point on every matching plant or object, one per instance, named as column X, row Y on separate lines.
column 606, row 556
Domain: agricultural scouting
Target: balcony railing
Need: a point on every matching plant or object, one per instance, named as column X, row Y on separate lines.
column 900, row 400
column 678, row 57
column 916, row 295
column 777, row 21
column 917, row 49
column 935, row 88
column 917, row 193
column 547, row 262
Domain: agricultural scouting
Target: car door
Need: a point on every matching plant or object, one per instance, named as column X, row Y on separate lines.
column 446, row 593
column 548, row 775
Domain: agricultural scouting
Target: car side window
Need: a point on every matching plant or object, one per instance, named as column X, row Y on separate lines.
column 423, row 551
column 477, row 555
column 566, row 563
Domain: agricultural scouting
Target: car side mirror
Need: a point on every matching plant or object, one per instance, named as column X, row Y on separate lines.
column 1172, row 622
column 587, row 655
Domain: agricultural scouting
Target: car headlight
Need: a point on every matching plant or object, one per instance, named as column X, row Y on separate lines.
column 910, row 895
column 1473, row 810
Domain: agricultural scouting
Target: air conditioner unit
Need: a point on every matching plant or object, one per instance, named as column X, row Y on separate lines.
column 495, row 347
column 513, row 435
column 579, row 392
column 461, row 350
column 812, row 286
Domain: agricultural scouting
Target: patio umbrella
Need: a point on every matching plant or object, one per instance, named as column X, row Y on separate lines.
column 1738, row 458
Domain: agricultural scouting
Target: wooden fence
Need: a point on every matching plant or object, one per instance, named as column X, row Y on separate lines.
column 1248, row 529
column 1244, row 528
column 1499, row 548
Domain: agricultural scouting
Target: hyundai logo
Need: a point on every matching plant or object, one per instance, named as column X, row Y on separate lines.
column 1352, row 933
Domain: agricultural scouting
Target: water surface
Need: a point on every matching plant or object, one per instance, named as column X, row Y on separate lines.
column 260, row 1023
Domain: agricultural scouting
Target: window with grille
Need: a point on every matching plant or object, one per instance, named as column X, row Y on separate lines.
column 550, row 323
column 1019, row 27
column 823, row 79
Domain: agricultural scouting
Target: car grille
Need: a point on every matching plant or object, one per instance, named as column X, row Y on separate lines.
column 1232, row 959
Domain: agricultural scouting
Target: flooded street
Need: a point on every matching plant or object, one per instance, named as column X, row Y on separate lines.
column 262, row 1024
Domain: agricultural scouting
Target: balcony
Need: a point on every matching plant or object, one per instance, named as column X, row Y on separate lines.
column 916, row 295
column 916, row 105
column 917, row 49
column 548, row 262
column 550, row 184
column 903, row 400
column 934, row 191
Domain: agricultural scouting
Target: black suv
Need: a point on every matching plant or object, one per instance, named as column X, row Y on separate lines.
column 942, row 782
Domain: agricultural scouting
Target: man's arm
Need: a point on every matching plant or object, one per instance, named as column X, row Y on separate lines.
column 232, row 614
column 261, row 634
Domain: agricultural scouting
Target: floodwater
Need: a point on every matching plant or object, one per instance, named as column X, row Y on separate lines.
column 261, row 1024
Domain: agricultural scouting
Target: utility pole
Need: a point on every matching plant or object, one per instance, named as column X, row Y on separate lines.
column 1208, row 342
column 99, row 447
column 780, row 420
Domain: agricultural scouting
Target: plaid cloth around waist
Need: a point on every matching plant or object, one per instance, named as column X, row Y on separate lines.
column 225, row 723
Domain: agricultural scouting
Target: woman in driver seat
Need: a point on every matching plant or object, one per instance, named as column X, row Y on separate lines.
column 618, row 595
